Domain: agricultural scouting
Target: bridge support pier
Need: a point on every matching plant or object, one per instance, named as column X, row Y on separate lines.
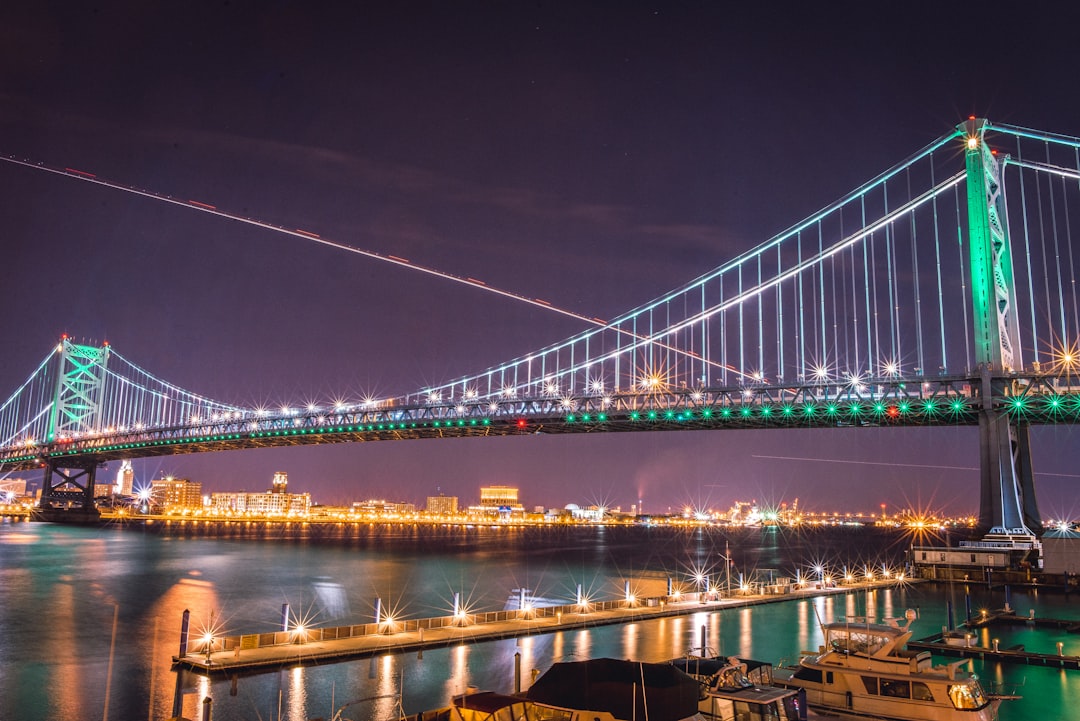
column 1007, row 501
column 67, row 494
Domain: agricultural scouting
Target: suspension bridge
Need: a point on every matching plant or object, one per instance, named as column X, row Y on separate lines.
column 941, row 292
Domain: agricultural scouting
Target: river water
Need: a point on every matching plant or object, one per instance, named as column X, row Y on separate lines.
column 90, row 617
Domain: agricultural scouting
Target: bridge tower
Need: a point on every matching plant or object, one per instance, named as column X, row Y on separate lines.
column 68, row 488
column 1007, row 507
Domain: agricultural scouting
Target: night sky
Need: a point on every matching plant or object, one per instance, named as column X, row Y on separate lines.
column 595, row 157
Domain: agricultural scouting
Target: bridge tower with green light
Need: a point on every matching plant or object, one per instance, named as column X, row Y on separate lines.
column 68, row 489
column 1007, row 507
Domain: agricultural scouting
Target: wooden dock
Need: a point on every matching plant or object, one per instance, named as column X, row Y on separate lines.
column 253, row 653
column 961, row 644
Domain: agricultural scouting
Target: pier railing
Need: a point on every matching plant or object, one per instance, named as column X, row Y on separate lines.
column 333, row 633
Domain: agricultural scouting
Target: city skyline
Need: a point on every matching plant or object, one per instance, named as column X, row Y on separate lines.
column 592, row 158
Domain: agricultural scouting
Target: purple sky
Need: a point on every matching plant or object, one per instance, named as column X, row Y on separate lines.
column 592, row 157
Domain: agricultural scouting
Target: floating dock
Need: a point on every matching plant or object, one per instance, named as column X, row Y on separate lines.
column 253, row 653
column 960, row 643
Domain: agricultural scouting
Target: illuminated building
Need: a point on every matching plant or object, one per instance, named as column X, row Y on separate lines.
column 381, row 507
column 281, row 482
column 125, row 478
column 498, row 499
column 442, row 505
column 176, row 493
column 260, row 504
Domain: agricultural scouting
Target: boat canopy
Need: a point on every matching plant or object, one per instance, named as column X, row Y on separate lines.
column 625, row 689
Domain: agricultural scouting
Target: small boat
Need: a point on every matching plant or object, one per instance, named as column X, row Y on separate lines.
column 602, row 689
column 864, row 671
column 734, row 689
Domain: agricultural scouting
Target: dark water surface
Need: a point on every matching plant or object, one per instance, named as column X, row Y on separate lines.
column 90, row 617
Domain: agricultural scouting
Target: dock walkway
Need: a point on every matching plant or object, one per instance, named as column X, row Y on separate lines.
column 960, row 644
column 236, row 654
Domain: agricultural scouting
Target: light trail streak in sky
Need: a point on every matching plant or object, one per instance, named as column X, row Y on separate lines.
column 387, row 258
column 867, row 463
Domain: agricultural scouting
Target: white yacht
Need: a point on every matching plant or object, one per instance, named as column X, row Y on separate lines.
column 864, row 672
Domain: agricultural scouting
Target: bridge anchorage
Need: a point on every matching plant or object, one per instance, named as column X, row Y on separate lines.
column 846, row 319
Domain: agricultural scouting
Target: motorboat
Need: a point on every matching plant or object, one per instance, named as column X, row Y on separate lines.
column 601, row 689
column 864, row 671
column 734, row 689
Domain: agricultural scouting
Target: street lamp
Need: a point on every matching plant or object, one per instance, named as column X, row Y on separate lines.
column 726, row 555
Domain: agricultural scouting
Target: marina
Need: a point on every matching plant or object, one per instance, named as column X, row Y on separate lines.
column 121, row 595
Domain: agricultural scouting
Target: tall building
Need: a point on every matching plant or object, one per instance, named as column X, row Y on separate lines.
column 176, row 493
column 125, row 479
column 442, row 505
column 281, row 482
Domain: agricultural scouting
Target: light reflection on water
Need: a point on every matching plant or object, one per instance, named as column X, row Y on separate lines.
column 57, row 607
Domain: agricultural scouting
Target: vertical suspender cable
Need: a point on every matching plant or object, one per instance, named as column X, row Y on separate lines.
column 937, row 258
column 890, row 280
column 801, row 348
column 1069, row 341
column 915, row 278
column 780, row 319
column 1027, row 253
column 1057, row 251
column 760, row 325
column 963, row 278
column 866, row 279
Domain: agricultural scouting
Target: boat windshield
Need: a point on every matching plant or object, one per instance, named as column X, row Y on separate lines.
column 854, row 640
column 967, row 696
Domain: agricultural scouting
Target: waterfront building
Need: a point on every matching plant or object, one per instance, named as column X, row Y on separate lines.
column 260, row 504
column 496, row 497
column 383, row 508
column 498, row 500
column 177, row 493
column 281, row 482
column 442, row 505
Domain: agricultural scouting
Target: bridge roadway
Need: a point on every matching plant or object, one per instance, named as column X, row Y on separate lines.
column 921, row 401
column 231, row 656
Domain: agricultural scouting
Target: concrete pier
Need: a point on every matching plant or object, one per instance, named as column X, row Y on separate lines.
column 311, row 646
